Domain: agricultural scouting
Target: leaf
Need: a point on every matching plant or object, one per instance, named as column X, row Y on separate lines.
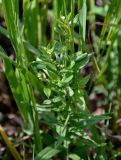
column 14, row 84
column 52, row 75
column 81, row 103
column 51, row 66
column 56, row 99
column 76, row 20
column 36, row 83
column 44, row 108
column 70, row 91
column 41, row 66
column 81, row 61
column 4, row 32
column 84, row 81
column 30, row 13
column 67, row 78
column 10, row 9
column 99, row 11
column 47, row 91
column 80, row 56
column 74, row 157
column 50, row 119
column 87, row 120
column 30, row 48
column 47, row 101
column 47, row 153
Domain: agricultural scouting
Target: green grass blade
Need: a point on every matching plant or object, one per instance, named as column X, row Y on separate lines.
column 14, row 84
column 30, row 18
column 11, row 18
column 82, row 22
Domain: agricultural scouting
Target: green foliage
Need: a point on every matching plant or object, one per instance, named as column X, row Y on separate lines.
column 51, row 67
column 46, row 153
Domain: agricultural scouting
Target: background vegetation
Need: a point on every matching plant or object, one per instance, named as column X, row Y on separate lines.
column 62, row 62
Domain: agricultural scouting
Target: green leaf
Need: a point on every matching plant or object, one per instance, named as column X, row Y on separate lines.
column 76, row 20
column 14, row 85
column 4, row 32
column 10, row 9
column 36, row 83
column 47, row 101
column 67, row 79
column 44, row 108
column 50, row 119
column 47, row 91
column 81, row 103
column 80, row 56
column 84, row 81
column 56, row 99
column 51, row 66
column 81, row 60
column 87, row 120
column 52, row 75
column 47, row 153
column 30, row 48
column 74, row 157
column 30, row 13
column 70, row 91
column 41, row 65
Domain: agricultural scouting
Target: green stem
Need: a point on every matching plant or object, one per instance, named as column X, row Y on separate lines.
column 80, row 40
column 38, row 142
column 106, row 59
column 72, row 27
column 43, row 23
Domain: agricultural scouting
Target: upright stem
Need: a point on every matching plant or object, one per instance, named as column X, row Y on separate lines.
column 72, row 27
column 37, row 138
column 64, row 6
column 55, row 15
column 80, row 40
column 42, row 23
